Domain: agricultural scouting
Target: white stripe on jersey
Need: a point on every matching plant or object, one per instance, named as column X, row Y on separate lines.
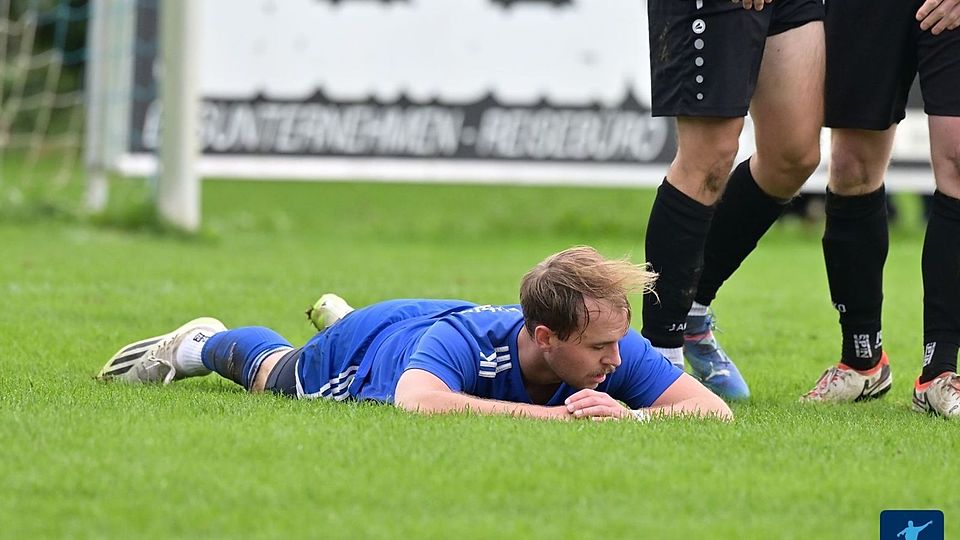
column 490, row 368
column 340, row 382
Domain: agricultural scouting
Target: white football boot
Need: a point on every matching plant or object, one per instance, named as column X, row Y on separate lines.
column 842, row 383
column 940, row 396
column 329, row 309
column 153, row 360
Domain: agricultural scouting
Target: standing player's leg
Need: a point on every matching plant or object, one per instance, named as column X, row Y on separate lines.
column 855, row 244
column 705, row 57
column 679, row 222
column 937, row 389
column 871, row 64
column 787, row 108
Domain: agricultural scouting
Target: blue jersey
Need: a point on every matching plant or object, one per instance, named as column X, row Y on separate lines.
column 471, row 348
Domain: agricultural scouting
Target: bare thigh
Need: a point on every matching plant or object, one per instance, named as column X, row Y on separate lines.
column 270, row 362
column 787, row 109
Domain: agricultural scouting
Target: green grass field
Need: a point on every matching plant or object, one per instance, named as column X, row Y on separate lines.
column 200, row 458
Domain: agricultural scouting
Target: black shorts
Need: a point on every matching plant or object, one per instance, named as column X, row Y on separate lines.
column 875, row 49
column 705, row 54
column 283, row 377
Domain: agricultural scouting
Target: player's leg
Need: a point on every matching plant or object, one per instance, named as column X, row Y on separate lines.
column 163, row 358
column 196, row 348
column 871, row 63
column 786, row 108
column 705, row 57
column 238, row 354
column 855, row 243
column 938, row 387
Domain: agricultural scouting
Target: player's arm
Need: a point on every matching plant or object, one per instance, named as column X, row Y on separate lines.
column 423, row 392
column 686, row 396
column 939, row 15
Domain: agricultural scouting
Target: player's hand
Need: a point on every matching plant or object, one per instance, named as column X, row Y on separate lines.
column 596, row 406
column 753, row 4
column 939, row 15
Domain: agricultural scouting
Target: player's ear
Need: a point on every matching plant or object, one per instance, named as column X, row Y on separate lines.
column 543, row 337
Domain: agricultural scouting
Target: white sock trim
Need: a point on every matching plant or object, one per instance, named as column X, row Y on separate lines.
column 698, row 310
column 188, row 361
column 673, row 355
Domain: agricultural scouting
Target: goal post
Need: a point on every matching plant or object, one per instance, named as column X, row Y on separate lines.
column 114, row 41
column 178, row 186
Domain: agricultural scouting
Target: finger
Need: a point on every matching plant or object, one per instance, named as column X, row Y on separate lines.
column 941, row 25
column 952, row 19
column 603, row 418
column 758, row 5
column 926, row 9
column 591, row 401
column 747, row 4
column 582, row 394
column 597, row 410
column 932, row 19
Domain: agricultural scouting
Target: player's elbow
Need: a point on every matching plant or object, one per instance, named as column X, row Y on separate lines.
column 410, row 399
column 719, row 409
column 709, row 405
column 419, row 391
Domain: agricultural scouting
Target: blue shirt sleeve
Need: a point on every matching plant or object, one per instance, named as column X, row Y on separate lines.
column 644, row 374
column 446, row 353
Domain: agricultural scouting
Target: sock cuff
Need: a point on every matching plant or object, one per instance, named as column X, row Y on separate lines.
column 742, row 181
column 856, row 206
column 946, row 206
column 673, row 354
column 698, row 310
column 683, row 204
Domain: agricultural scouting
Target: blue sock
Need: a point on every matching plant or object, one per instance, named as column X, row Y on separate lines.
column 237, row 354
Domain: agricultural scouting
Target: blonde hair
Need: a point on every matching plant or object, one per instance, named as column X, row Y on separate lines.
column 553, row 293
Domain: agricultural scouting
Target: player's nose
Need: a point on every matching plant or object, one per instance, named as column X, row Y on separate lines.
column 612, row 357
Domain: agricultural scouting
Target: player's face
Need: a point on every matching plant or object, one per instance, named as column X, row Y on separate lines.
column 585, row 361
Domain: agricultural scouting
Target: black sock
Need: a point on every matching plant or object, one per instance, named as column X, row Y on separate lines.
column 676, row 233
column 941, row 287
column 855, row 243
column 744, row 215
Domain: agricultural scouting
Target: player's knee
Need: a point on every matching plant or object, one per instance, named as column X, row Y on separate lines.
column 807, row 161
column 850, row 172
column 948, row 156
column 791, row 168
column 710, row 164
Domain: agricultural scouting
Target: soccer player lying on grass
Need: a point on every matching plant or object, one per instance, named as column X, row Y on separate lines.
column 567, row 351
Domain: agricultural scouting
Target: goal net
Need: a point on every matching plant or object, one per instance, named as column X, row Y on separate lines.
column 42, row 56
